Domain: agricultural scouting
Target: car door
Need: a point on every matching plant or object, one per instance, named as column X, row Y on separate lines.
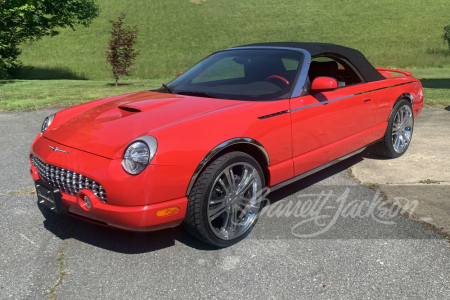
column 329, row 125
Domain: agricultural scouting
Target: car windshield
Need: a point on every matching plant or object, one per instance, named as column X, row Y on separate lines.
column 240, row 74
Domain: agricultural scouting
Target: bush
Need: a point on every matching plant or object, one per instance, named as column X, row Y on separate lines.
column 446, row 35
column 121, row 54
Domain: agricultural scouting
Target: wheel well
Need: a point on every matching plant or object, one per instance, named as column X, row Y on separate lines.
column 405, row 96
column 250, row 150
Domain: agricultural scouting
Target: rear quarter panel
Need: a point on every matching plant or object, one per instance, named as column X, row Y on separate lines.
column 395, row 88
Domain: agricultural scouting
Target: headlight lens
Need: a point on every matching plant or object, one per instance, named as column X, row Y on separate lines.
column 47, row 123
column 138, row 155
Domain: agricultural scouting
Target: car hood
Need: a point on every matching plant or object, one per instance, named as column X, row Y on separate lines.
column 107, row 127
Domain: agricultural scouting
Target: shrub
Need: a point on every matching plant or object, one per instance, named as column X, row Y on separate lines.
column 121, row 54
column 446, row 35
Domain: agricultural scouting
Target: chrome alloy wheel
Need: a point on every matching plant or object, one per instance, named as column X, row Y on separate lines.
column 402, row 129
column 233, row 203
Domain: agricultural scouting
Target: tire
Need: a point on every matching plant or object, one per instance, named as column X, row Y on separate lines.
column 213, row 203
column 399, row 131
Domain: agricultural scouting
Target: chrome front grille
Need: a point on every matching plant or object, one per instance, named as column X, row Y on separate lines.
column 67, row 181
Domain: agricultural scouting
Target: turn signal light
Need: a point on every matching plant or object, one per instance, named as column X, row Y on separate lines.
column 167, row 211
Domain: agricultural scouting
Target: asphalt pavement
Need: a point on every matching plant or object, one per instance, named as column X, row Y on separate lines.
column 325, row 237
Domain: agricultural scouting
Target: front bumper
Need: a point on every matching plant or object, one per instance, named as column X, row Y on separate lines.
column 132, row 201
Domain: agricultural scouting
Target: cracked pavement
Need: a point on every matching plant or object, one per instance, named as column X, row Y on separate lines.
column 364, row 254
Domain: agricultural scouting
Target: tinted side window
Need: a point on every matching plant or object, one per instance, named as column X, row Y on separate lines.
column 329, row 67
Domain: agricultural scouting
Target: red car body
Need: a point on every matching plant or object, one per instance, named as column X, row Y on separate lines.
column 290, row 137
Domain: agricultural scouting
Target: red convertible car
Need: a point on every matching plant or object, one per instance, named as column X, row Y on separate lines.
column 200, row 149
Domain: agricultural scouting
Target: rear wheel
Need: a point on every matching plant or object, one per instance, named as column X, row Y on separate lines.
column 399, row 131
column 223, row 206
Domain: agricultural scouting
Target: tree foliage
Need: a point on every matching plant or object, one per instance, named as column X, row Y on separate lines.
column 121, row 54
column 30, row 20
column 446, row 35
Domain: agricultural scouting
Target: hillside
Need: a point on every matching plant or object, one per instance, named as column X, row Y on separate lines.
column 174, row 34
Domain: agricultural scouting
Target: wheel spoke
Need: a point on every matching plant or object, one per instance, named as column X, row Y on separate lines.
column 246, row 182
column 230, row 176
column 406, row 120
column 406, row 138
column 397, row 143
column 395, row 129
column 224, row 187
column 401, row 143
column 224, row 226
column 216, row 212
column 217, row 201
column 233, row 221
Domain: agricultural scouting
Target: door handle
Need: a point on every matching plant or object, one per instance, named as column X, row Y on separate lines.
column 367, row 100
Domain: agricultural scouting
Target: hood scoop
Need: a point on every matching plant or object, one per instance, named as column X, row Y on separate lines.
column 129, row 109
column 141, row 106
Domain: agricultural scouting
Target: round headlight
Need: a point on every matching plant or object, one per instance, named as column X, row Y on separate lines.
column 138, row 155
column 47, row 123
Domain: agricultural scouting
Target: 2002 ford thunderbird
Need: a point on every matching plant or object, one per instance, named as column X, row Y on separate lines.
column 199, row 150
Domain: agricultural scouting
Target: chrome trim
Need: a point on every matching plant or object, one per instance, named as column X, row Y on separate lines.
column 220, row 147
column 56, row 149
column 67, row 181
column 298, row 87
column 319, row 168
column 152, row 144
column 357, row 94
column 50, row 120
column 321, row 103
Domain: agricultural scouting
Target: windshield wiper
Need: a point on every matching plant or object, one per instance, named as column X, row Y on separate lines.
column 167, row 88
column 196, row 94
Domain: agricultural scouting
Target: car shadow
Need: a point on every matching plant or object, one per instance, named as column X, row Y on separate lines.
column 65, row 226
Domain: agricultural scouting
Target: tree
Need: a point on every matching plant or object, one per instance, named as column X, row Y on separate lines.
column 30, row 20
column 446, row 35
column 121, row 54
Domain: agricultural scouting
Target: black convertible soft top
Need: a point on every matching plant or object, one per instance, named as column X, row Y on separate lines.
column 356, row 58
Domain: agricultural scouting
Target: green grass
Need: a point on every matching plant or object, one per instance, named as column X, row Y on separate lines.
column 33, row 94
column 174, row 34
column 436, row 86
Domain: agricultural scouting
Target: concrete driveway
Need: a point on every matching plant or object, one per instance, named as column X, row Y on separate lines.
column 422, row 174
column 352, row 246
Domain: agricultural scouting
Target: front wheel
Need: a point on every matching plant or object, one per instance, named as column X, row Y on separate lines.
column 224, row 202
column 399, row 131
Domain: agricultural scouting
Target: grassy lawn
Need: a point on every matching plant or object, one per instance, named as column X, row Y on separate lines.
column 175, row 34
column 436, row 86
column 33, row 94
